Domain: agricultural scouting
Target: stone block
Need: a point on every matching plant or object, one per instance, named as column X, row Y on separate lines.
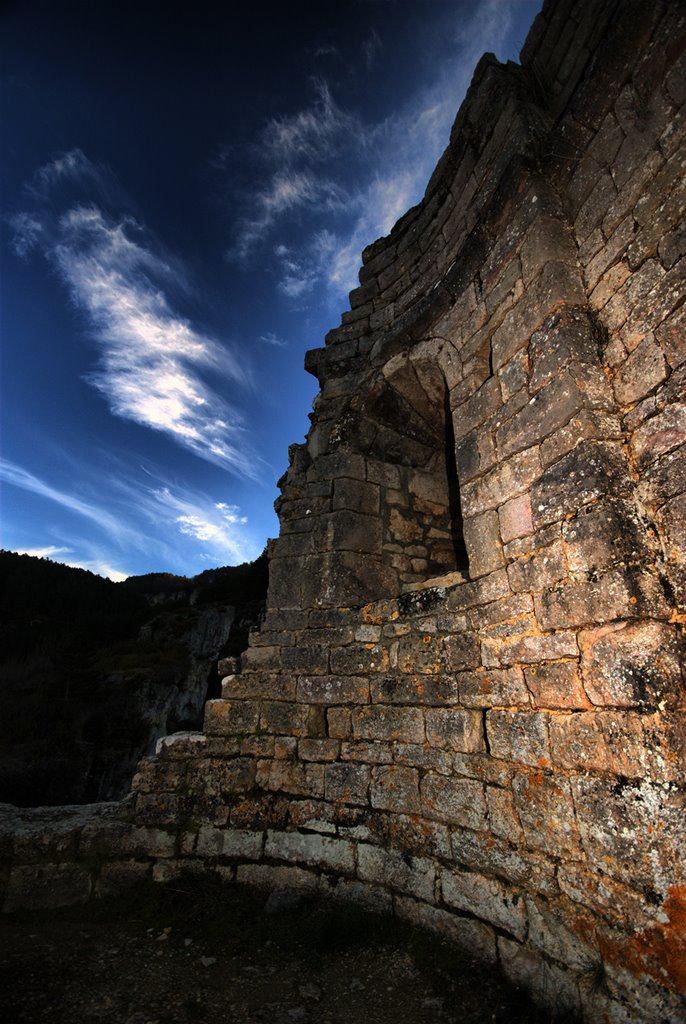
column 305, row 658
column 556, row 685
column 282, row 718
column 632, row 664
column 472, row 936
column 482, row 540
column 474, row 412
column 507, row 480
column 421, row 654
column 256, row 685
column 627, row 743
column 489, row 588
column 238, row 843
column 285, row 746
column 358, row 659
column 502, row 815
column 298, row 778
column 515, row 518
column 333, row 690
column 356, row 495
column 416, row 755
column 395, row 788
column 347, row 783
column 47, row 887
column 486, row 899
column 670, row 335
column 494, row 687
column 318, row 749
column 226, row 718
column 659, row 434
column 399, row 871
column 411, row 689
column 529, row 649
column 538, row 571
column 454, row 801
column 339, row 723
column 455, row 729
column 644, row 370
column 607, row 531
column 378, row 722
column 546, row 812
column 591, row 470
column 617, row 594
column 462, row 652
column 631, row 830
column 545, row 412
column 313, row 850
column 671, row 519
column 367, row 752
column 347, row 530
column 519, row 736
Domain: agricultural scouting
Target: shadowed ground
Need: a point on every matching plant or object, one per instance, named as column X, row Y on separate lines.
column 205, row 951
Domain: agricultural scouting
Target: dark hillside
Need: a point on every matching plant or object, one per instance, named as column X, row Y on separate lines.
column 93, row 672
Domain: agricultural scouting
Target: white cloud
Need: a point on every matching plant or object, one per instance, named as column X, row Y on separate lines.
column 48, row 552
column 97, row 565
column 269, row 338
column 73, row 165
column 286, row 192
column 313, row 134
column 154, row 362
column 360, row 177
column 22, row 478
column 218, row 526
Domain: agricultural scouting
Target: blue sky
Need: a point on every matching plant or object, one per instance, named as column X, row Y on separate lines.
column 184, row 204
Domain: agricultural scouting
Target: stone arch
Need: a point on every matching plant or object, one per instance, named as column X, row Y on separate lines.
column 406, row 421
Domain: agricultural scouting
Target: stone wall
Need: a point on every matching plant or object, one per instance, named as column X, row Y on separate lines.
column 466, row 701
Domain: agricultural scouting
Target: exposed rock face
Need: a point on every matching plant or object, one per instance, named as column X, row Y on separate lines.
column 466, row 699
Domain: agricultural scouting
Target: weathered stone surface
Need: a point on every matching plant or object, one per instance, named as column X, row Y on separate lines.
column 413, row 875
column 629, row 665
column 455, row 729
column 545, row 809
column 519, row 736
column 486, row 899
column 388, row 723
column 395, row 788
column 454, row 801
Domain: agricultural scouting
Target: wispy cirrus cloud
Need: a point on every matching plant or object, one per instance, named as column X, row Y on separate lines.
column 220, row 530
column 269, row 338
column 63, row 555
column 217, row 526
column 314, row 134
column 20, row 477
column 138, row 510
column 46, row 552
column 155, row 366
column 358, row 177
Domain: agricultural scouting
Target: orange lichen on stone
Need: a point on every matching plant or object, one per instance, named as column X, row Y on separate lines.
column 658, row 952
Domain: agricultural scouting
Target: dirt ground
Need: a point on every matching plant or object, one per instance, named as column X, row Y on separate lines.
column 209, row 952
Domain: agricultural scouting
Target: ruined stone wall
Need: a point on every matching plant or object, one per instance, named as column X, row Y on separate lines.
column 466, row 701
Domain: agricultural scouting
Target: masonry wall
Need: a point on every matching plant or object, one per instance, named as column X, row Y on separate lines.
column 466, row 701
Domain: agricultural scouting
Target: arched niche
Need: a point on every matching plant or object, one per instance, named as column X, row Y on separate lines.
column 404, row 427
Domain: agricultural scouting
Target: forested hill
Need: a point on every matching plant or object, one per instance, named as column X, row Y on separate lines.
column 32, row 588
column 92, row 672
